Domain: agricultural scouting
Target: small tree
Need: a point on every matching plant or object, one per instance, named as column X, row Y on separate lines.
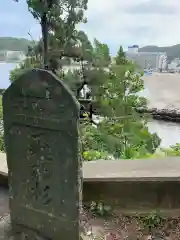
column 121, row 57
column 122, row 133
column 58, row 20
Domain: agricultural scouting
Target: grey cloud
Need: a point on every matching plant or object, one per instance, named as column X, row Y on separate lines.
column 138, row 32
column 151, row 7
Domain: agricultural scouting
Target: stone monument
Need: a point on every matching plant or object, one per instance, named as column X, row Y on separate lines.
column 41, row 118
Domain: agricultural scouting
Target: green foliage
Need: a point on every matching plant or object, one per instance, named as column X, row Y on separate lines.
column 16, row 73
column 100, row 209
column 101, row 55
column 25, row 65
column 91, row 70
column 153, row 220
column 86, row 49
column 122, row 132
column 172, row 151
column 94, row 155
column 72, row 79
column 121, row 57
column 2, row 146
column 1, row 110
column 2, row 90
column 14, row 44
column 58, row 20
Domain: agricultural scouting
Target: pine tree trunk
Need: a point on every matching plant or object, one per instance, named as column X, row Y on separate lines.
column 44, row 28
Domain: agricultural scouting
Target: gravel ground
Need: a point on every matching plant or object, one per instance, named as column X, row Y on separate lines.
column 120, row 227
column 132, row 228
column 4, row 203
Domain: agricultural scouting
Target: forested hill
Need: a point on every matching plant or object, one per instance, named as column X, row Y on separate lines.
column 172, row 51
column 14, row 44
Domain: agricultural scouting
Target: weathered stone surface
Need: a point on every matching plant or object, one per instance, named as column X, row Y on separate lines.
column 6, row 232
column 5, row 228
column 41, row 137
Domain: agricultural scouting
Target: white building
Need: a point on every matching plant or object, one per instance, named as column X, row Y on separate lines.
column 19, row 55
column 174, row 65
column 11, row 56
column 147, row 60
column 133, row 49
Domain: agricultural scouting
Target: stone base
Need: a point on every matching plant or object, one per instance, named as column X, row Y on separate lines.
column 7, row 232
column 5, row 228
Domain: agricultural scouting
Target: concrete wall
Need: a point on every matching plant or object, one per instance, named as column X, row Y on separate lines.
column 125, row 197
column 128, row 186
column 135, row 197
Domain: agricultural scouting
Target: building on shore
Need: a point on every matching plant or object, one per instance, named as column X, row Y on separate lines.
column 11, row 56
column 174, row 65
column 147, row 60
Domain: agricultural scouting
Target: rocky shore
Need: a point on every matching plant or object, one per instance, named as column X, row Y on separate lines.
column 172, row 115
column 162, row 114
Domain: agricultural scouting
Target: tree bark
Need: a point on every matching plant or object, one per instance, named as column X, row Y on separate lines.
column 44, row 27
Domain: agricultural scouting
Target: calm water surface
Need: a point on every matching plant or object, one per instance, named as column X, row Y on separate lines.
column 167, row 131
column 5, row 68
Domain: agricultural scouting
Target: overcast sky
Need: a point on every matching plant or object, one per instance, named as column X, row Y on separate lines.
column 114, row 22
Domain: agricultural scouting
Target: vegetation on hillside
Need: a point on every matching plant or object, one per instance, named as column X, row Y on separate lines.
column 14, row 44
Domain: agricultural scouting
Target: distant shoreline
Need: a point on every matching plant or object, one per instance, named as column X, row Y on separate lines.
column 3, row 62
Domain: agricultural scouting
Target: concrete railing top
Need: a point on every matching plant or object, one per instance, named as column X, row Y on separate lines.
column 3, row 164
column 162, row 169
